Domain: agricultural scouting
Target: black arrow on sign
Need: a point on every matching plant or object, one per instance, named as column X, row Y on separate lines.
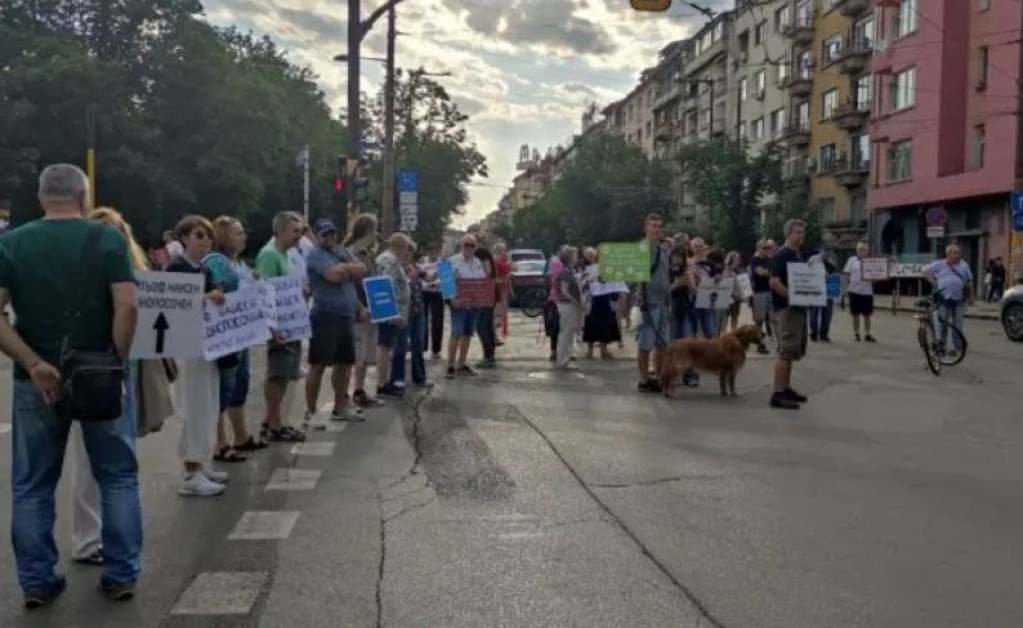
column 161, row 325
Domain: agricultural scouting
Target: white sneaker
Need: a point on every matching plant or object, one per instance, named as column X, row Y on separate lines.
column 198, row 485
column 215, row 476
column 309, row 423
column 348, row 413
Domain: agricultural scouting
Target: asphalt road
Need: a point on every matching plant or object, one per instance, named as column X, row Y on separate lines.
column 529, row 498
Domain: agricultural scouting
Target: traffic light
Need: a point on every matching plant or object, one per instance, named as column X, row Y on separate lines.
column 339, row 203
column 651, row 5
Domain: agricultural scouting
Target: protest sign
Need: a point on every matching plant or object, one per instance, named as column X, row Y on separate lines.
column 834, row 285
column 446, row 277
column 874, row 268
column 473, row 293
column 625, row 261
column 169, row 316
column 291, row 314
column 745, row 285
column 236, row 325
column 906, row 270
column 599, row 288
column 807, row 284
column 381, row 299
column 715, row 293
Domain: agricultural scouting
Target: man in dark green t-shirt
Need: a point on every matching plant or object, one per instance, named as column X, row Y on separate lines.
column 43, row 276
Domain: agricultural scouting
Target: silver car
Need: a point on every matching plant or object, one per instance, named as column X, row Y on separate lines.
column 1012, row 313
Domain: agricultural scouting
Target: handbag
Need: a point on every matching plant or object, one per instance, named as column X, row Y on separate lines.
column 92, row 382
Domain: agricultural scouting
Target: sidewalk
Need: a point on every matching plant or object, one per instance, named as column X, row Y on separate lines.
column 987, row 311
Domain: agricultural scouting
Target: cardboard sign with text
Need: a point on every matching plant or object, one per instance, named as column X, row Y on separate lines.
column 807, row 285
column 874, row 268
column 474, row 293
column 236, row 325
column 625, row 261
column 169, row 316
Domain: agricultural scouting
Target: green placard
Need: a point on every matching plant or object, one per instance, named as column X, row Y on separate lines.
column 625, row 261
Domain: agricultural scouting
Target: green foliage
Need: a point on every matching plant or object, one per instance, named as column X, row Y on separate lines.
column 602, row 194
column 731, row 184
column 795, row 203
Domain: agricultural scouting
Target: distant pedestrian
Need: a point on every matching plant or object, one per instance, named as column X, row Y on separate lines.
column 600, row 326
column 570, row 307
column 463, row 317
column 391, row 263
column 486, row 327
column 433, row 307
column 998, row 277
column 654, row 299
column 413, row 341
column 728, row 319
column 861, row 293
column 760, row 278
column 70, row 283
column 502, row 270
column 791, row 319
column 362, row 241
column 820, row 316
column 550, row 311
column 952, row 281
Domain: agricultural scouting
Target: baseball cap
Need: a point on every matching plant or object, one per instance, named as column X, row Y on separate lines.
column 324, row 226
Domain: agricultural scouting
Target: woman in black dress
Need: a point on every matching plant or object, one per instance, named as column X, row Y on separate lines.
column 601, row 324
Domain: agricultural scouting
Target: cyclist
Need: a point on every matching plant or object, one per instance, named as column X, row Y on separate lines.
column 953, row 290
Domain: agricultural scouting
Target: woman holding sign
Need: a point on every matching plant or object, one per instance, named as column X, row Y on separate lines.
column 198, row 386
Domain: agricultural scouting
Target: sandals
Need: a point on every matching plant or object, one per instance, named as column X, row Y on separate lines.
column 286, row 434
column 228, row 454
column 252, row 445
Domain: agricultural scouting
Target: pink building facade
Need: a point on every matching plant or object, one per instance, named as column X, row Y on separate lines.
column 945, row 129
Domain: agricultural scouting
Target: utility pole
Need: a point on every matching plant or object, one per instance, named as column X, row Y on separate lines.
column 90, row 151
column 387, row 219
column 304, row 158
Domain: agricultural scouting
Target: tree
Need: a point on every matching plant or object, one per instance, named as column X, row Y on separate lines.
column 731, row 184
column 605, row 187
column 795, row 202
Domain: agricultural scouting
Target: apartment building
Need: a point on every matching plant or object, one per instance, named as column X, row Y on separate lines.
column 760, row 49
column 839, row 106
column 945, row 126
column 633, row 116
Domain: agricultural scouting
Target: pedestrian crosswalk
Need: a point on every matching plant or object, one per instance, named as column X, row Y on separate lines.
column 221, row 593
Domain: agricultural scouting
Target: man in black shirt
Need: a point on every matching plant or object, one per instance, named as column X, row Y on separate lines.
column 791, row 320
column 760, row 279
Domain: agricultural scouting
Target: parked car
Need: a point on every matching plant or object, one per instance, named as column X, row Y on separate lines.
column 519, row 255
column 526, row 274
column 1012, row 313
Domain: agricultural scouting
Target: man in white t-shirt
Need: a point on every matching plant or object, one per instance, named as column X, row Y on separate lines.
column 463, row 319
column 861, row 293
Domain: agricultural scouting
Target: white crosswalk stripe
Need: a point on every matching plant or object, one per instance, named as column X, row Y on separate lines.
column 264, row 525
column 221, row 593
column 288, row 479
column 314, row 448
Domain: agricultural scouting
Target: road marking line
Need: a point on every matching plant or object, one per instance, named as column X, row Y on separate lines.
column 5, row 428
column 221, row 593
column 264, row 525
column 289, row 479
column 336, row 426
column 314, row 448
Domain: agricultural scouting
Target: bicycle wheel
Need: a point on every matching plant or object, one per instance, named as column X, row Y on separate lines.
column 532, row 302
column 929, row 345
column 951, row 358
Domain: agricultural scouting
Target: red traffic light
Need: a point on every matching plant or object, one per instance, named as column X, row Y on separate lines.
column 339, row 185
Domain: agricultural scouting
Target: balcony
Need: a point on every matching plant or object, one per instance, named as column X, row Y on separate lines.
column 667, row 97
column 850, row 117
column 854, row 57
column 796, row 171
column 852, row 8
column 664, row 132
column 850, row 173
column 798, row 133
column 800, row 84
column 800, row 30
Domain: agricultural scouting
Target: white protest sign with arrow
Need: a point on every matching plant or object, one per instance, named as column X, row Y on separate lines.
column 170, row 318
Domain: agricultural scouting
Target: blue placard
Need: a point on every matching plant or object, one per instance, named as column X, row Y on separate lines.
column 408, row 181
column 1017, row 211
column 834, row 283
column 446, row 276
column 383, row 303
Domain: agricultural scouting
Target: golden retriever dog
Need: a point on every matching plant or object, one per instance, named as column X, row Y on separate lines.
column 724, row 356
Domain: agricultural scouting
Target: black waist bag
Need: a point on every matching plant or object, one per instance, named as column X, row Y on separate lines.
column 92, row 382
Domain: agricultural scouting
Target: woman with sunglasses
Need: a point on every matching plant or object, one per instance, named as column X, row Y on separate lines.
column 198, row 385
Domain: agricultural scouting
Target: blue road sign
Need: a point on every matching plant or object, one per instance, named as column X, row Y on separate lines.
column 1017, row 211
column 408, row 181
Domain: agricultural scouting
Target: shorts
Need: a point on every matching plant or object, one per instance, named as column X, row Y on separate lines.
column 861, row 304
column 365, row 343
column 761, row 306
column 386, row 334
column 792, row 333
column 654, row 330
column 284, row 362
column 463, row 322
column 234, row 384
column 333, row 340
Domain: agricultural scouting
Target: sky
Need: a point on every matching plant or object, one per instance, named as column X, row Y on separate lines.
column 524, row 70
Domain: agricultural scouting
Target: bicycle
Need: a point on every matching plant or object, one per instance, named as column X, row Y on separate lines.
column 532, row 301
column 935, row 347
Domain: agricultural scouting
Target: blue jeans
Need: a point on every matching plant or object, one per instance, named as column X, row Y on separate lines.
column 705, row 322
column 820, row 320
column 412, row 338
column 39, row 439
column 681, row 323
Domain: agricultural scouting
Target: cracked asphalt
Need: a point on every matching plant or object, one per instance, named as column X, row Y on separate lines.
column 530, row 498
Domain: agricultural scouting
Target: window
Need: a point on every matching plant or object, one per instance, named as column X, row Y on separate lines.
column 803, row 116
column 691, row 123
column 783, row 72
column 905, row 18
column 904, row 90
column 719, row 32
column 859, row 155
column 982, row 67
column 805, row 64
column 979, row 138
column 832, row 48
column 743, row 89
column 759, row 83
column 804, row 13
column 778, row 122
column 757, row 129
column 639, row 134
column 829, row 102
column 782, row 18
column 863, row 34
column 760, row 33
column 827, row 206
column 863, row 93
column 649, row 133
column 858, row 208
column 900, row 161
column 740, row 131
column 743, row 42
column 828, row 158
